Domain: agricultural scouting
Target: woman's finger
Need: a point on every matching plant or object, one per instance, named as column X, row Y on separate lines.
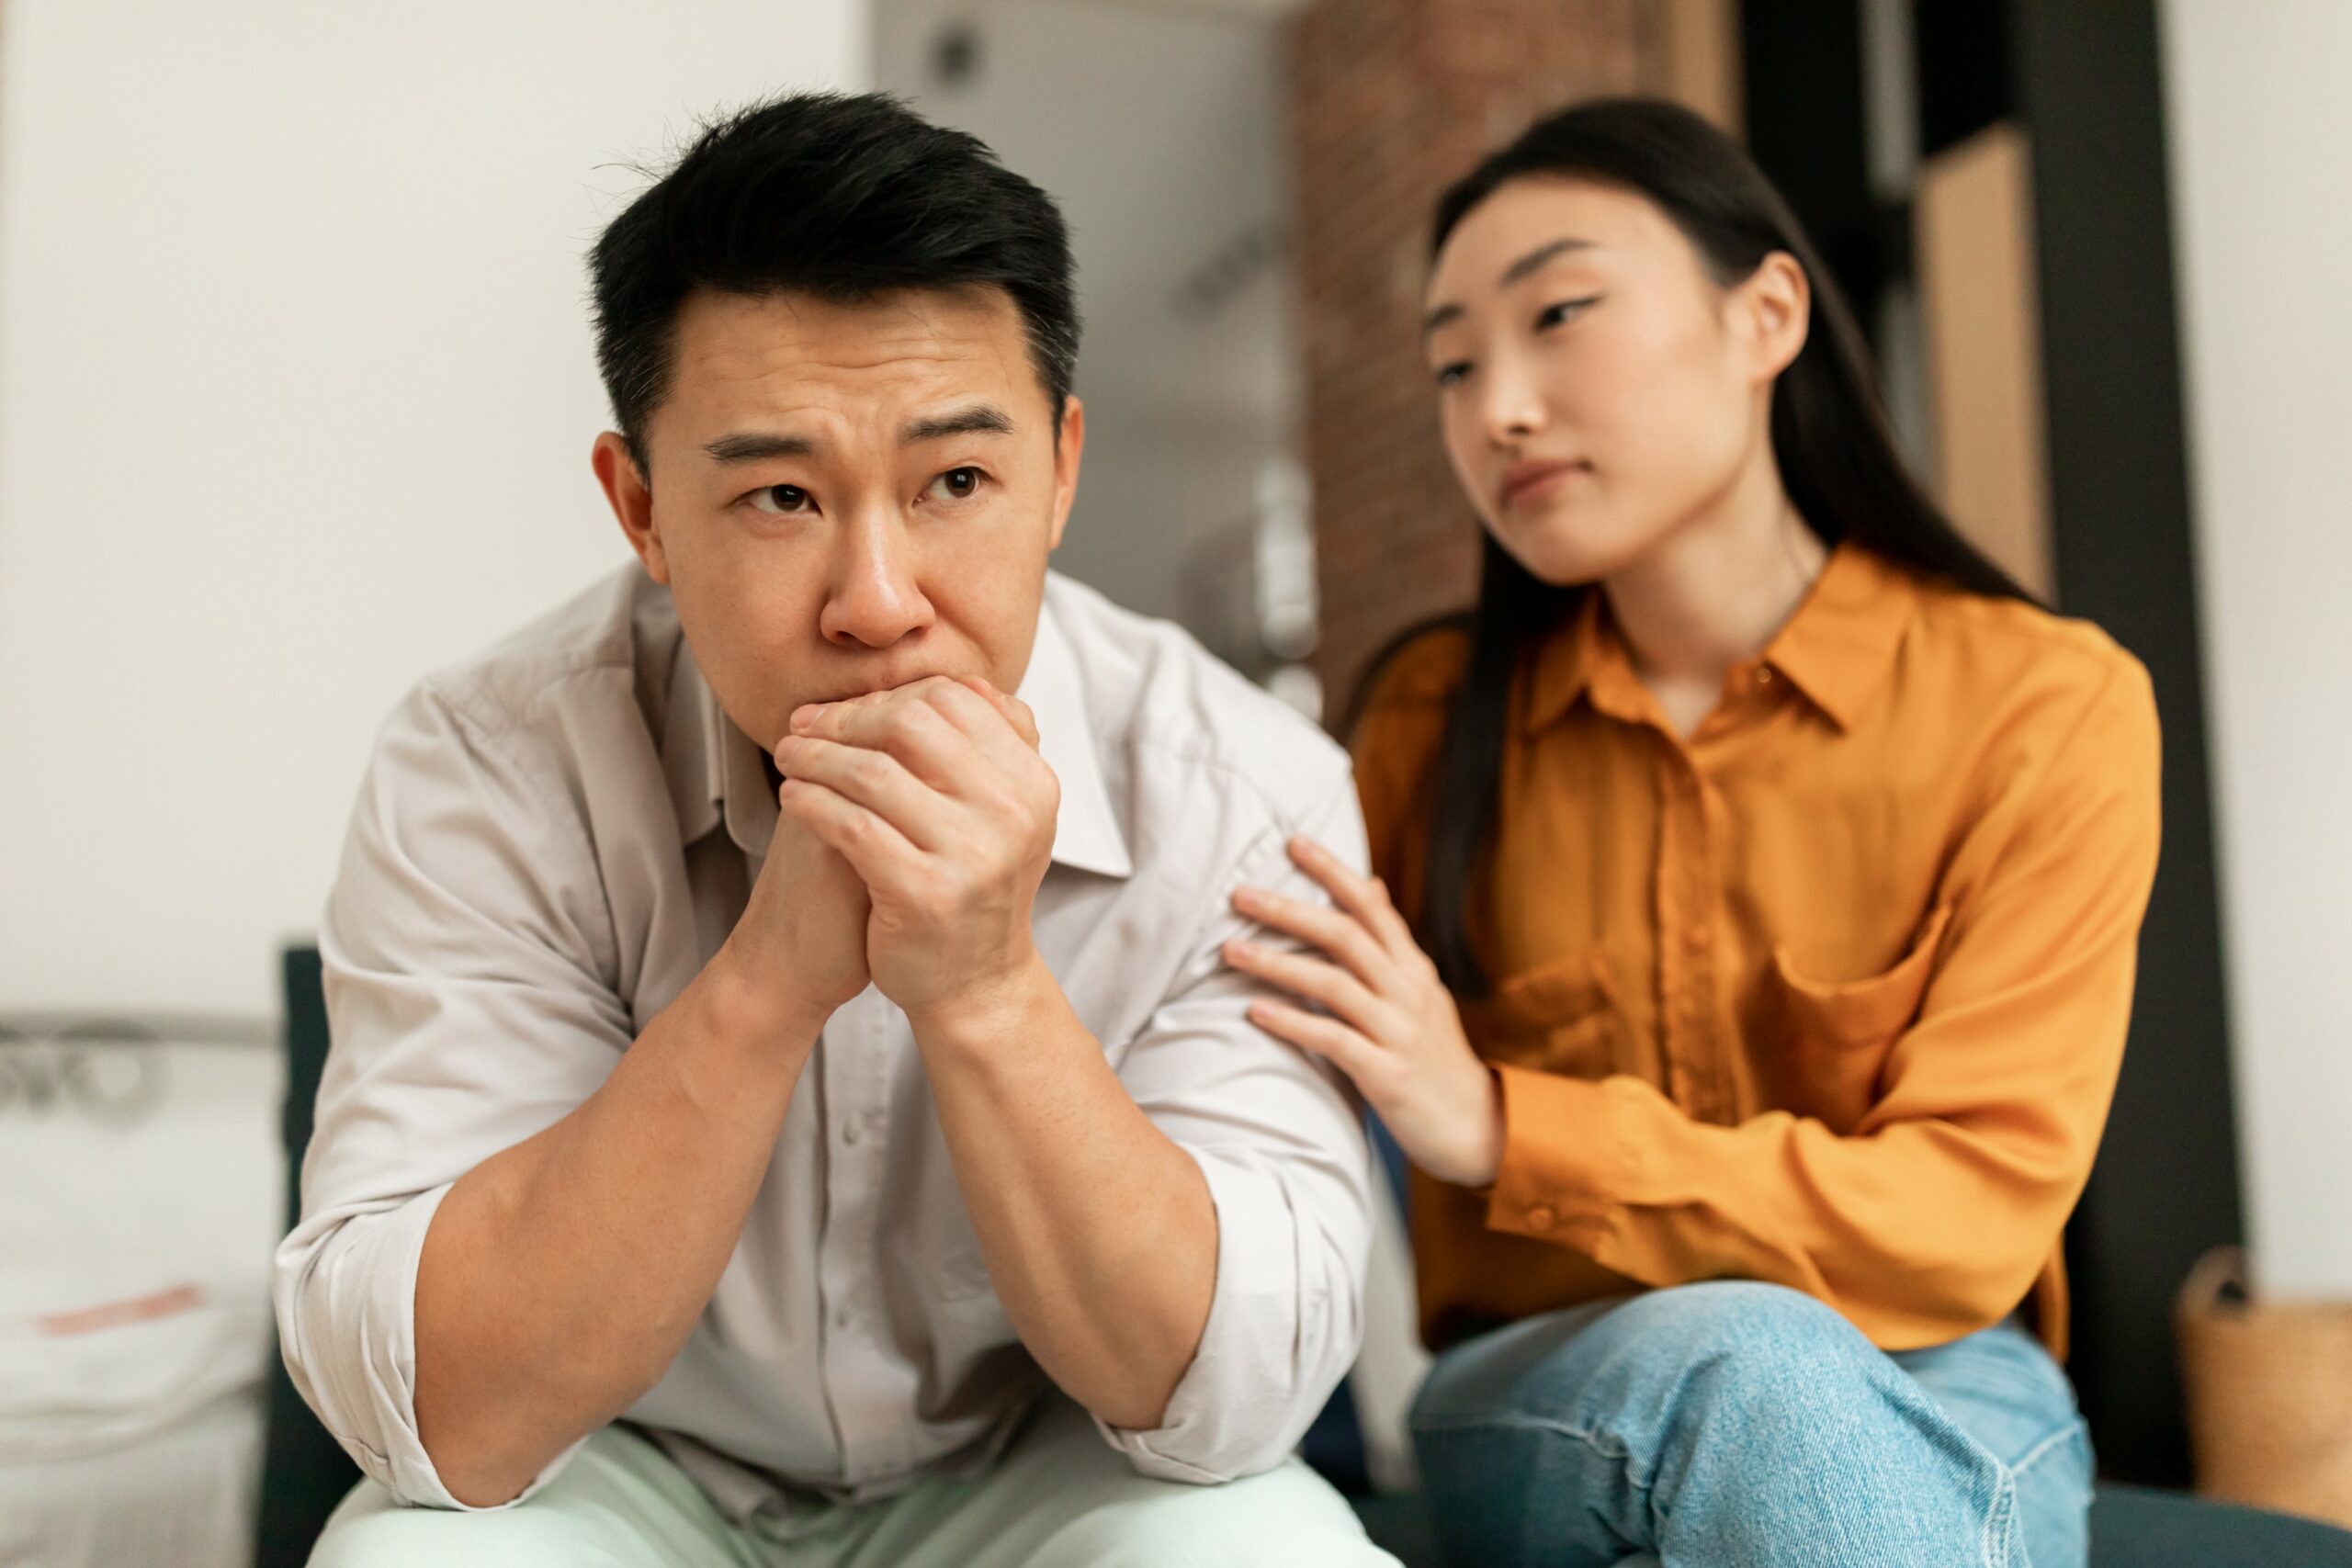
column 1313, row 978
column 1366, row 897
column 1336, row 934
column 1324, row 1037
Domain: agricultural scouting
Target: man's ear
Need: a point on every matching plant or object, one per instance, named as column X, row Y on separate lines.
column 1069, row 445
column 1776, row 301
column 632, row 501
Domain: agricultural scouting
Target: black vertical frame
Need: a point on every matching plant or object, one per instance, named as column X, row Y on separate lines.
column 2089, row 87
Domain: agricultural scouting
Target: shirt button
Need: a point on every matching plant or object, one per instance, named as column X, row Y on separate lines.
column 1764, row 677
column 1541, row 1217
column 1697, row 935
column 853, row 1128
column 844, row 1316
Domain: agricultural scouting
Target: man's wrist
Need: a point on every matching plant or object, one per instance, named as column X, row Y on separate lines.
column 752, row 1011
column 977, row 1019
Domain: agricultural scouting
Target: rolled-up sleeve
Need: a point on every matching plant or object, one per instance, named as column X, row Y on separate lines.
column 464, row 946
column 1283, row 1147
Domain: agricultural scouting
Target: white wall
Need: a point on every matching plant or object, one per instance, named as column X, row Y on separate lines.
column 295, row 399
column 2261, row 139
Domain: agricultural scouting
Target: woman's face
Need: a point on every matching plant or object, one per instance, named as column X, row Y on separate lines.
column 1597, row 388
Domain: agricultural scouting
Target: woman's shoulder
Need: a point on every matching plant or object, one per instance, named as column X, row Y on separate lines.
column 2028, row 669
column 1995, row 638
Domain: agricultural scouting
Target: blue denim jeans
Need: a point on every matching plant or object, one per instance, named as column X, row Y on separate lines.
column 1740, row 1423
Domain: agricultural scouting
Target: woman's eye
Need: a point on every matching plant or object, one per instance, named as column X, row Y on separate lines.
column 1553, row 315
column 780, row 500
column 1452, row 375
column 956, row 484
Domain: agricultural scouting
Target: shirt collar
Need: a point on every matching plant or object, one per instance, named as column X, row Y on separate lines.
column 1839, row 647
column 716, row 773
column 1835, row 650
column 1086, row 830
column 715, row 769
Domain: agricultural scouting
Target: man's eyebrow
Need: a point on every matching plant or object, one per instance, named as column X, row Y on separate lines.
column 751, row 445
column 980, row 419
column 1511, row 274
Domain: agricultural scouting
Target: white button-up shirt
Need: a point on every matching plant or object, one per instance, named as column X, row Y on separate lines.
column 551, row 842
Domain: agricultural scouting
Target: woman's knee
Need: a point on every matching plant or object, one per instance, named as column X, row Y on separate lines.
column 1733, row 1316
column 1776, row 1355
column 1722, row 1340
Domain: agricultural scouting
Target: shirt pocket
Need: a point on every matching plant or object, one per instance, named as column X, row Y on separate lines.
column 1836, row 1035
column 1558, row 1017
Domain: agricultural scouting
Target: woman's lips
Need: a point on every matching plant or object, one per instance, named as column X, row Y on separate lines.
column 1526, row 481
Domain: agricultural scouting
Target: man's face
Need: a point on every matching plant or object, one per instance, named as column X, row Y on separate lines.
column 848, row 497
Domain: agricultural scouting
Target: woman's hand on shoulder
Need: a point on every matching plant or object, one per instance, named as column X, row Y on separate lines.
column 1387, row 1021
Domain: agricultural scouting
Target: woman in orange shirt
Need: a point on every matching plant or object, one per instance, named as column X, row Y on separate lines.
column 1767, row 871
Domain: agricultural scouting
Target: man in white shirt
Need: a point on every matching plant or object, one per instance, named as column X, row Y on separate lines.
column 786, row 1102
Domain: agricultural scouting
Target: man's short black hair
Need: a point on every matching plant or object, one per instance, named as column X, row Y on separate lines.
column 837, row 195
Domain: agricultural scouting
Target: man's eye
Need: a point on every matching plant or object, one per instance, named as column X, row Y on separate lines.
column 956, row 484
column 1452, row 375
column 779, row 500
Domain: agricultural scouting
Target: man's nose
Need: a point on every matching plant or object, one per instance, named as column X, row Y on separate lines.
column 874, row 600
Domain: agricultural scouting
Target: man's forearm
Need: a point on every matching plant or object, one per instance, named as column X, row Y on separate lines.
column 560, row 1278
column 1099, row 1231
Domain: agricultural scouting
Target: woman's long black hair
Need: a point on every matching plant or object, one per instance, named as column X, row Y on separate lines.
column 1837, row 457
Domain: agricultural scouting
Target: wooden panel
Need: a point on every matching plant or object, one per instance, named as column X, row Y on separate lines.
column 1974, row 221
column 1699, row 58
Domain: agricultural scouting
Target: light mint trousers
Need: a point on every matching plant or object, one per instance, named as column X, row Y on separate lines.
column 1059, row 1498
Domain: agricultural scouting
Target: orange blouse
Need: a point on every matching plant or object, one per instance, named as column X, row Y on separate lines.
column 1831, row 993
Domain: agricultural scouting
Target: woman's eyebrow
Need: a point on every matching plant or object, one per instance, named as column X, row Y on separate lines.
column 1538, row 256
column 1549, row 251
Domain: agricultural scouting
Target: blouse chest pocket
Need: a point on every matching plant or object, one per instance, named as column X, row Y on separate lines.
column 1833, row 1037
column 1557, row 1018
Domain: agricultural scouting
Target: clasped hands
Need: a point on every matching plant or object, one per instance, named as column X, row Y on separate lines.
column 934, row 799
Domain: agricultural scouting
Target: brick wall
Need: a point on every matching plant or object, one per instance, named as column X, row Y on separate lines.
column 1391, row 101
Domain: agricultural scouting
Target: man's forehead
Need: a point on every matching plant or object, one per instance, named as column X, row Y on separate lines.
column 922, row 334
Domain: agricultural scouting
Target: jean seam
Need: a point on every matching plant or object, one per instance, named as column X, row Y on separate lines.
column 2042, row 1450
column 1999, row 1520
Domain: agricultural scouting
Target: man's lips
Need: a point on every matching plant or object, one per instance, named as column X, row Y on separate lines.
column 1522, row 480
column 850, row 693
